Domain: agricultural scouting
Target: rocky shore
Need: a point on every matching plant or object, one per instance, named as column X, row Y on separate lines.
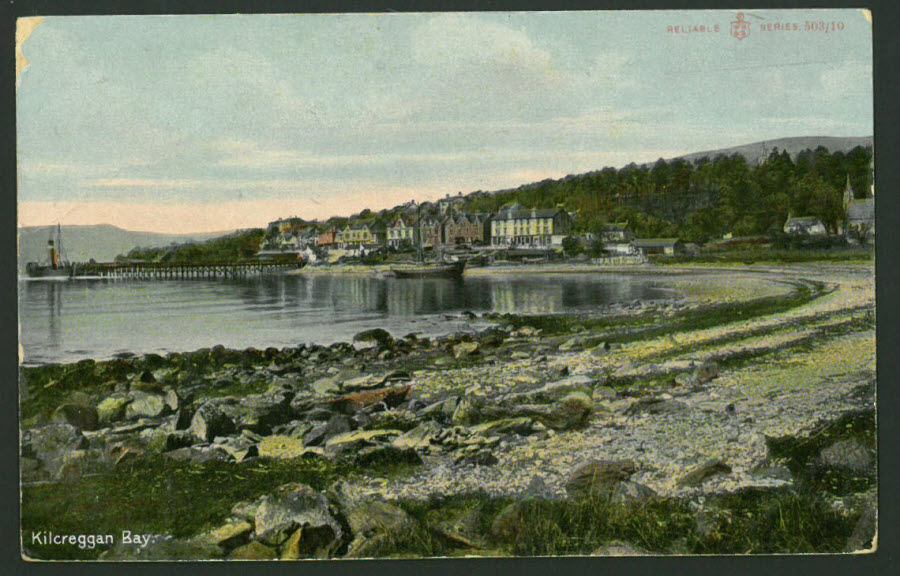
column 684, row 412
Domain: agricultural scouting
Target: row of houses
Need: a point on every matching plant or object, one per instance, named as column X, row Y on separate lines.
column 511, row 227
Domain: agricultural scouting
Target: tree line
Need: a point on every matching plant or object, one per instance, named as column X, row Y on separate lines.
column 242, row 245
column 701, row 200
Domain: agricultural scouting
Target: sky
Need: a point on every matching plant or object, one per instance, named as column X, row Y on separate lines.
column 183, row 124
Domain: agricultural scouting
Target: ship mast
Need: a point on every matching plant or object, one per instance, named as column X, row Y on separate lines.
column 59, row 244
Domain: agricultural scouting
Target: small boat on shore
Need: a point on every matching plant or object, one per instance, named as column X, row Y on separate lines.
column 437, row 268
column 454, row 270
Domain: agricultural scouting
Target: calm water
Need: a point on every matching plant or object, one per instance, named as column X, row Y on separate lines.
column 67, row 321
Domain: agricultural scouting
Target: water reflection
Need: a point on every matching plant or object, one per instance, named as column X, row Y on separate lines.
column 517, row 297
column 62, row 321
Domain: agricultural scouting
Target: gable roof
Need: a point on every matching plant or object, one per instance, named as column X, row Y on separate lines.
column 467, row 217
column 516, row 212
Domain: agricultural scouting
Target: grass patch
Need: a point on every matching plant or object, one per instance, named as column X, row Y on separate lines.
column 157, row 496
column 751, row 521
column 44, row 388
column 799, row 454
column 773, row 522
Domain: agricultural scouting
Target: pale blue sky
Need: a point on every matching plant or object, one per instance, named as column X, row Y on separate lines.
column 197, row 123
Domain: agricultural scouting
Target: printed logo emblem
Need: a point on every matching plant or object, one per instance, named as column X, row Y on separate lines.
column 740, row 28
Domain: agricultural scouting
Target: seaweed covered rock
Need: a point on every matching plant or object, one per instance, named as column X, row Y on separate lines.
column 254, row 550
column 49, row 445
column 80, row 416
column 293, row 506
column 146, row 405
column 378, row 528
column 376, row 337
column 210, row 421
column 259, row 412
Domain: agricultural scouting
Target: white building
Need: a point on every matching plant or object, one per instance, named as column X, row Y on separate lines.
column 516, row 226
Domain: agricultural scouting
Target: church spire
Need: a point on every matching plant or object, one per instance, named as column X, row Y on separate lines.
column 849, row 196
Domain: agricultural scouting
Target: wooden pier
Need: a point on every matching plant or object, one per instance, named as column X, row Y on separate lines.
column 167, row 271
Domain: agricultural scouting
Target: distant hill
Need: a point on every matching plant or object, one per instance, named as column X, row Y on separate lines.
column 102, row 242
column 753, row 152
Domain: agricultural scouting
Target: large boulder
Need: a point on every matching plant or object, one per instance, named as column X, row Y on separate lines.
column 159, row 440
column 294, row 506
column 78, row 415
column 441, row 410
column 198, row 454
column 866, row 529
column 378, row 529
column 173, row 400
column 464, row 350
column 849, row 455
column 570, row 412
column 146, row 405
column 112, row 409
column 238, row 447
column 259, row 412
column 319, row 434
column 49, row 446
column 419, row 437
column 599, row 477
column 328, row 386
column 210, row 421
column 230, row 535
column 376, row 336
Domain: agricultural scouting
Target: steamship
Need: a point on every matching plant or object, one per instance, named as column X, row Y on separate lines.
column 56, row 265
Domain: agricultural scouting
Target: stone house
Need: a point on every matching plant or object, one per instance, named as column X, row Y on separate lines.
column 465, row 229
